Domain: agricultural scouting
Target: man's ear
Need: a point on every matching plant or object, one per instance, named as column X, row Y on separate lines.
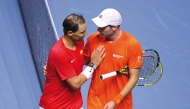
column 70, row 33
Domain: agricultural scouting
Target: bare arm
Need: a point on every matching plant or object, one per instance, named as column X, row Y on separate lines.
column 77, row 81
column 134, row 74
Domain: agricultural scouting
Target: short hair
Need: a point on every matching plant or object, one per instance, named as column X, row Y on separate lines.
column 71, row 22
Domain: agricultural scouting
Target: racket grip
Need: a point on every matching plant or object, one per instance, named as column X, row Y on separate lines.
column 104, row 76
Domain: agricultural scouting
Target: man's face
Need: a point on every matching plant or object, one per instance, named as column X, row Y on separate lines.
column 106, row 31
column 79, row 35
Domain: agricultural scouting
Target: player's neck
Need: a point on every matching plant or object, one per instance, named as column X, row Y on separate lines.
column 69, row 43
column 115, row 36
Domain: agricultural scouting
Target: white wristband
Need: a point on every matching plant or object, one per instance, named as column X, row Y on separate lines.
column 88, row 71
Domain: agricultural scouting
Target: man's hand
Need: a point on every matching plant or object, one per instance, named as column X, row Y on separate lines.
column 110, row 105
column 98, row 55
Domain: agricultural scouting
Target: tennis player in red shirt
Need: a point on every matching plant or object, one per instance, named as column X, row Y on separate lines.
column 64, row 75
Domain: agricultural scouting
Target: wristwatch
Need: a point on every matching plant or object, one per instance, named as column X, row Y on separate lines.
column 92, row 65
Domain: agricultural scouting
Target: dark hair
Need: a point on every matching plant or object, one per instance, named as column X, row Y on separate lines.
column 71, row 22
column 113, row 26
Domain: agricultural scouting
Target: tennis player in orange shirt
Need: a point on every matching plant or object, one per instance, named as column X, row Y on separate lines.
column 121, row 49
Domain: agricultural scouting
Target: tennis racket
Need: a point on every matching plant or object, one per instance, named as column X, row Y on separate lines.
column 150, row 73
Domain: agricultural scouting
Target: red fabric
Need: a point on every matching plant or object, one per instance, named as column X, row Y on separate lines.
column 62, row 64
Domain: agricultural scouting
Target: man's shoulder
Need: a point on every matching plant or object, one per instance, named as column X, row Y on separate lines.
column 57, row 44
column 57, row 48
column 94, row 36
column 129, row 36
column 95, row 33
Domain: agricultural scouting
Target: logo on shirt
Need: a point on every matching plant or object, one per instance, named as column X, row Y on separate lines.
column 72, row 60
column 117, row 56
column 139, row 59
column 81, row 52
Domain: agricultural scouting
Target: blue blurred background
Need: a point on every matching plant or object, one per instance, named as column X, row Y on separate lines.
column 161, row 25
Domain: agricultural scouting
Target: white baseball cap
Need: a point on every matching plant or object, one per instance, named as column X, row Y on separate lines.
column 107, row 17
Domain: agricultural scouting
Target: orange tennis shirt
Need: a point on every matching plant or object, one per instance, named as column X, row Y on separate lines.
column 125, row 51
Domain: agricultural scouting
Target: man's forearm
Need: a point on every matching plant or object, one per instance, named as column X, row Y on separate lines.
column 134, row 74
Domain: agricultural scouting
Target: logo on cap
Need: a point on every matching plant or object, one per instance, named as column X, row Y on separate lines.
column 100, row 16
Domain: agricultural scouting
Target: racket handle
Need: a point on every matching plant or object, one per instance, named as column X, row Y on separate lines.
column 104, row 76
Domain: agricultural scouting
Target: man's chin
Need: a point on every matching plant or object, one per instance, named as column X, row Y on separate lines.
column 103, row 35
column 80, row 39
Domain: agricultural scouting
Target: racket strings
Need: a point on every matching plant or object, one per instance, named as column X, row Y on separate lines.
column 149, row 65
column 151, row 70
column 155, row 77
column 151, row 53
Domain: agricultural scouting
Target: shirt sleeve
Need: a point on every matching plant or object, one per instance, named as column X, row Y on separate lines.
column 135, row 55
column 63, row 66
